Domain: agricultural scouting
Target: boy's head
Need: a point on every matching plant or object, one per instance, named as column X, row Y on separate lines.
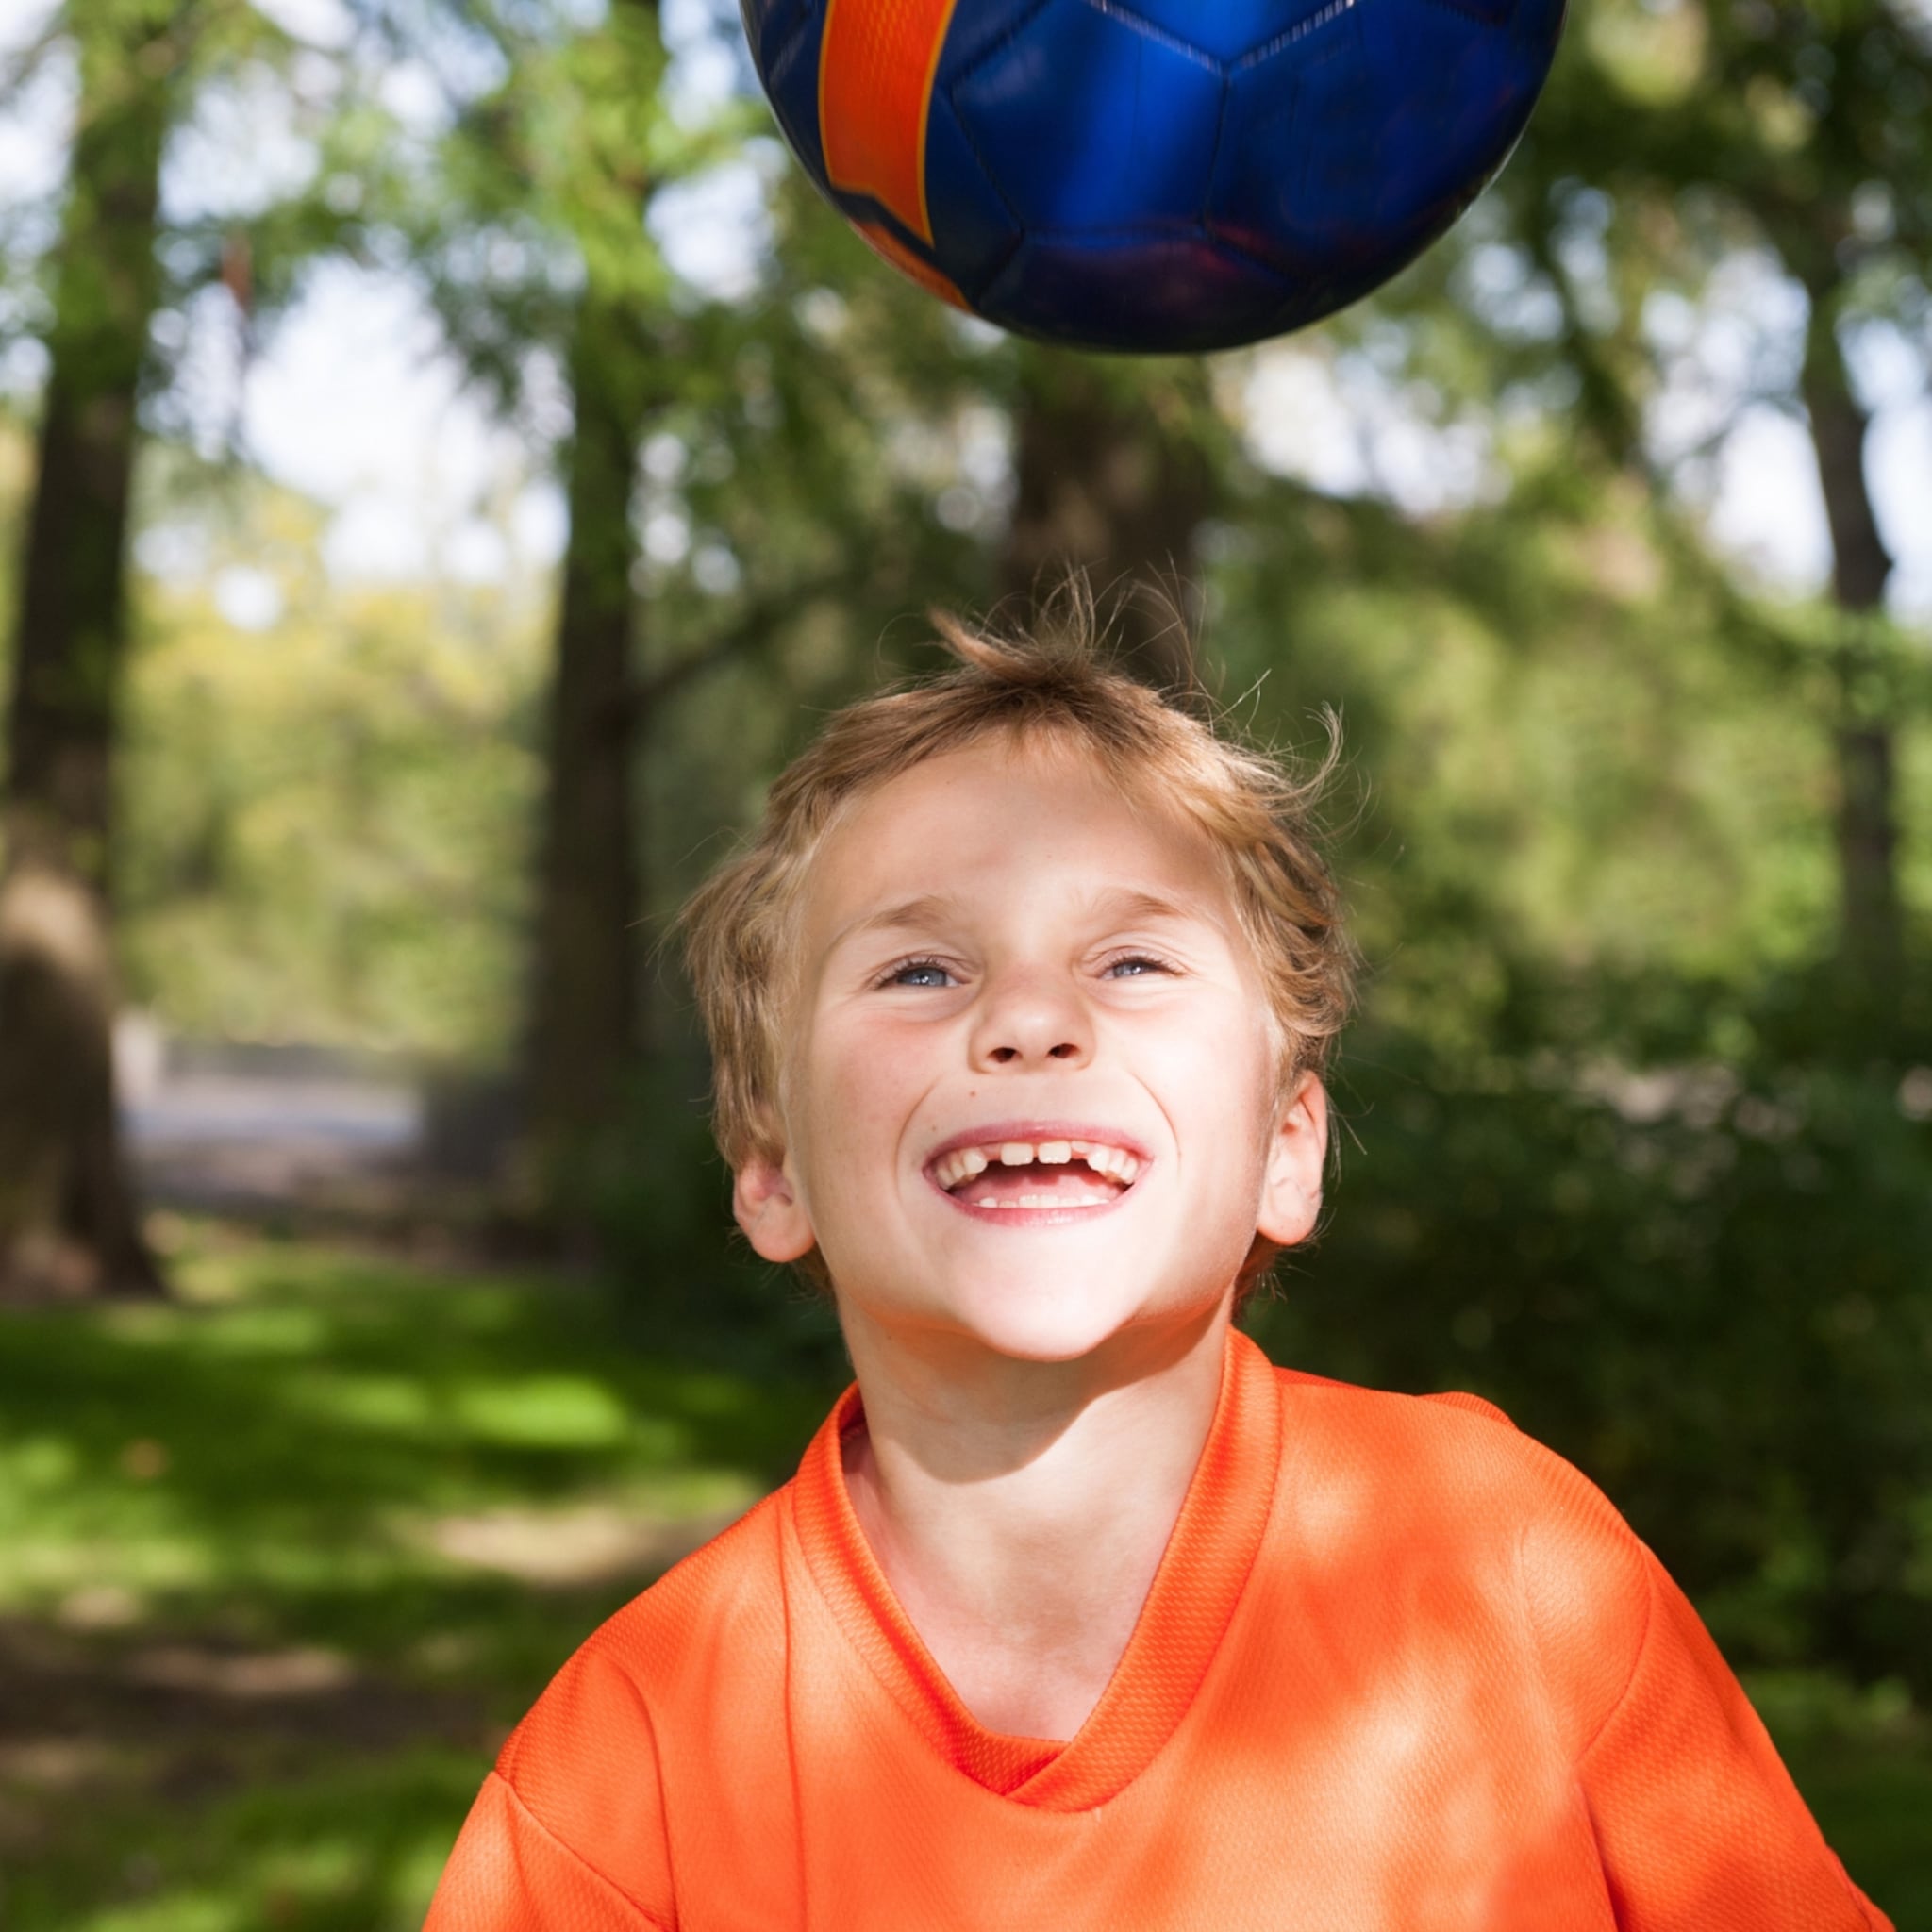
column 1018, row 999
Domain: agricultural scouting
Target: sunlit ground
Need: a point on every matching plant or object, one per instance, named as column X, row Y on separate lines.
column 283, row 1563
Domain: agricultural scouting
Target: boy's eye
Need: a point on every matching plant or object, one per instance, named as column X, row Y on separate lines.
column 1136, row 965
column 917, row 972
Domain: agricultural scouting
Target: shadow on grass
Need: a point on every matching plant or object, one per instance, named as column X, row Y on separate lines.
column 285, row 1560
column 342, row 1844
column 266, row 1445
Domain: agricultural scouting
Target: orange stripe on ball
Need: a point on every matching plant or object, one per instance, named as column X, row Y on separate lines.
column 887, row 245
column 876, row 64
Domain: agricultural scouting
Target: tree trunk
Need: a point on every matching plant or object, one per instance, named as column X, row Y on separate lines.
column 68, row 1217
column 1110, row 483
column 1871, row 933
column 584, row 1023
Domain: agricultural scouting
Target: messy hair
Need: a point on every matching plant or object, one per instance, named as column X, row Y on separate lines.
column 1055, row 684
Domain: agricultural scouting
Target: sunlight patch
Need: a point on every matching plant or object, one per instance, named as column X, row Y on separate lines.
column 593, row 1543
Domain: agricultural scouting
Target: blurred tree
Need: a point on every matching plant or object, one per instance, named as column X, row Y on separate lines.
column 582, row 1030
column 68, row 1217
column 1724, row 128
column 564, row 156
column 67, row 1213
column 1114, row 473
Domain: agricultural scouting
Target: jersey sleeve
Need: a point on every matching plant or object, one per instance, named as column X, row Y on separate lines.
column 1698, row 1823
column 567, row 1834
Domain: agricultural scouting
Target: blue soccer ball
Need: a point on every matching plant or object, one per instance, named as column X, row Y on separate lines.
column 1152, row 174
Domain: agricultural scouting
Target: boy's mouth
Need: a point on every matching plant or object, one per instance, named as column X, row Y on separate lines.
column 1037, row 1174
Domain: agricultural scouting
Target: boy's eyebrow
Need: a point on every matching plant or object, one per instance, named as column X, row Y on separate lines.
column 1119, row 902
column 925, row 913
column 931, row 909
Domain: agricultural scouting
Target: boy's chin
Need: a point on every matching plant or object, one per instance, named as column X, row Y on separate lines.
column 1049, row 1322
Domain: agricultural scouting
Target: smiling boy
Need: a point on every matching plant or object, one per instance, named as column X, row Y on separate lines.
column 1078, row 1614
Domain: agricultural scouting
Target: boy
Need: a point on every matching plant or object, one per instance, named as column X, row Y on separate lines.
column 1078, row 1614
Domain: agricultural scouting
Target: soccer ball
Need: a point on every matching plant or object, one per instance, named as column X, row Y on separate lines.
column 1152, row 174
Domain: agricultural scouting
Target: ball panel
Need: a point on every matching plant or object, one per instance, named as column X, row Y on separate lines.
column 1300, row 157
column 1153, row 294
column 1489, row 12
column 1353, row 146
column 1456, row 93
column 1226, row 30
column 974, row 228
column 1084, row 121
column 1535, row 26
column 767, row 23
column 978, row 28
column 787, row 60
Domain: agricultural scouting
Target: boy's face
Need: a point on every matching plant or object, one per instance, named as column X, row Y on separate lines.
column 1001, row 965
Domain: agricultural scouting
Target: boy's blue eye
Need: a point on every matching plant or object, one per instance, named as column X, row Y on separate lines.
column 934, row 973
column 1145, row 961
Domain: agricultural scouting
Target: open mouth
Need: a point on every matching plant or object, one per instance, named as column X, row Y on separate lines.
column 1037, row 1174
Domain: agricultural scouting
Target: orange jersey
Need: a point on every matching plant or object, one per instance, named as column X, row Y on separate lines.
column 1400, row 1669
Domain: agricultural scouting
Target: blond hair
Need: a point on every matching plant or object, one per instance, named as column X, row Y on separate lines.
column 1056, row 682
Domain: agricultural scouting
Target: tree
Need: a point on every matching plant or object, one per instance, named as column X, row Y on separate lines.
column 68, row 1215
column 566, row 152
column 1112, row 477
column 1815, row 151
column 583, row 1023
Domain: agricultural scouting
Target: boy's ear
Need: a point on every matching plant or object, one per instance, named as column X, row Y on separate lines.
column 766, row 1202
column 1291, row 1192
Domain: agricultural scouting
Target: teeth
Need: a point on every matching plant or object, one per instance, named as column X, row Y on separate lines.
column 963, row 1163
column 960, row 1165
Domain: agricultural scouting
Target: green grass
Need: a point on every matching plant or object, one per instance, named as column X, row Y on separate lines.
column 254, row 1654
column 243, row 1681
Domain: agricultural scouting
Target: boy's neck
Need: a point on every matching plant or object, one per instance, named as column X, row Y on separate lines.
column 1019, row 1509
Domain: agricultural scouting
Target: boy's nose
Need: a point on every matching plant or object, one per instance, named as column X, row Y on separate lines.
column 1029, row 1022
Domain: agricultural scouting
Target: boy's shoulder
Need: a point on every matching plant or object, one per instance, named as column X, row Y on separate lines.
column 1447, row 1483
column 1450, row 1463
column 710, row 1627
column 1451, row 1450
column 727, row 1597
column 728, row 1593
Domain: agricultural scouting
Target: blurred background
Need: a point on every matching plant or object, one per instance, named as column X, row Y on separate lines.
column 449, row 460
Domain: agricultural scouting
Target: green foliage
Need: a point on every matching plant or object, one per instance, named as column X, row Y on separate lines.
column 682, row 1278
column 400, row 720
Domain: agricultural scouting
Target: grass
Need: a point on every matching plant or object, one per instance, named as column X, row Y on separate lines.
column 286, row 1559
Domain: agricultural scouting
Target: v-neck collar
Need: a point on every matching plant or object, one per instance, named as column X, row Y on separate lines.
column 1202, row 1573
